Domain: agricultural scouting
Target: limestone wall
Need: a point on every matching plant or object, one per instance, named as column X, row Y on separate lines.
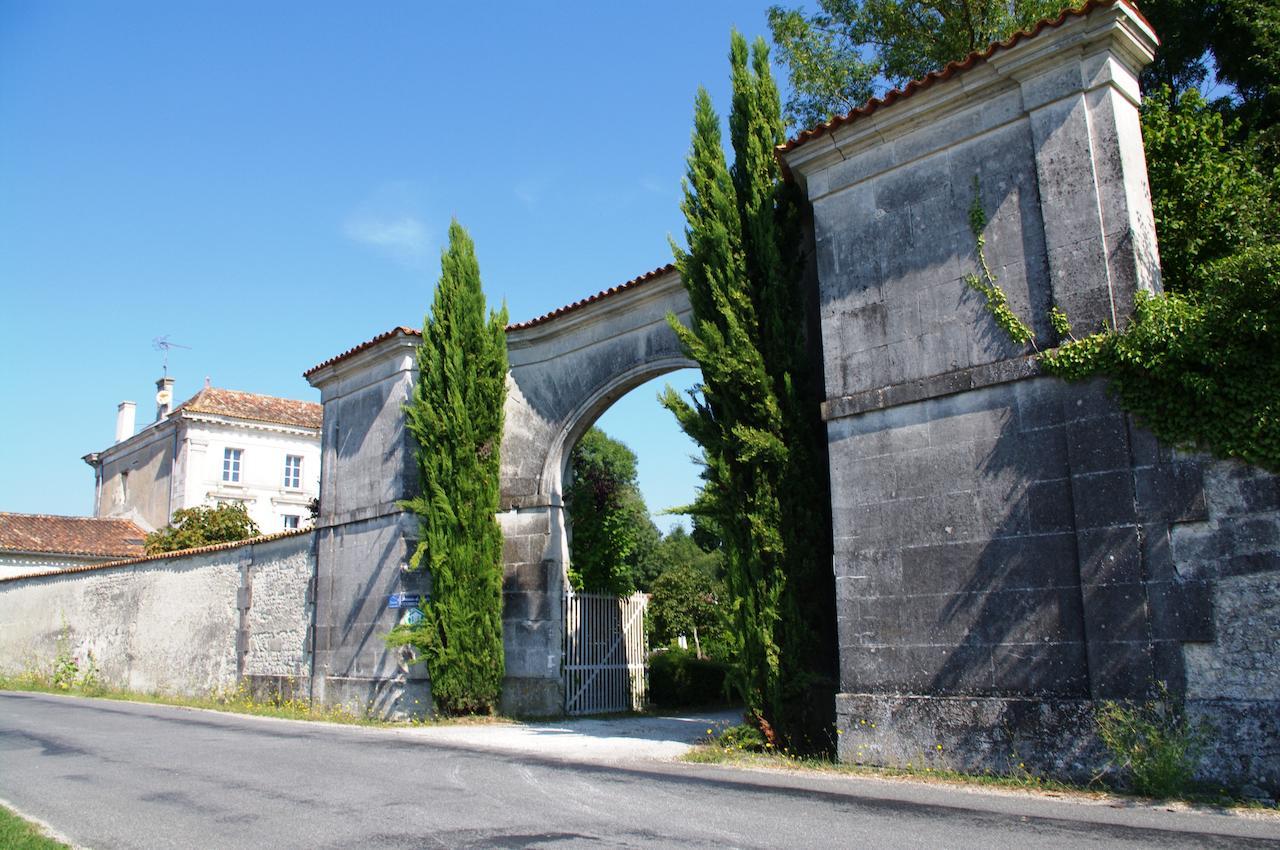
column 1011, row 549
column 1232, row 676
column 364, row 538
column 189, row 624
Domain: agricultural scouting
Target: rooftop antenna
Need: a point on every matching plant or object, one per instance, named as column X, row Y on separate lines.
column 161, row 343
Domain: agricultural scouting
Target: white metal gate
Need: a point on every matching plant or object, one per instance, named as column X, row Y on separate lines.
column 604, row 653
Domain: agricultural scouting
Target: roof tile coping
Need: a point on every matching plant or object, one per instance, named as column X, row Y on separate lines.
column 951, row 69
column 592, row 299
column 517, row 326
column 180, row 553
column 69, row 535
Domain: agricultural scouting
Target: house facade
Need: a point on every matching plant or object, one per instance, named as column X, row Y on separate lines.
column 217, row 447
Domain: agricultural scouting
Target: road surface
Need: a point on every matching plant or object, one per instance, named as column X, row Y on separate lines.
column 123, row 775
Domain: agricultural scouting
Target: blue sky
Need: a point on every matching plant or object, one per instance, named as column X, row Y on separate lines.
column 270, row 184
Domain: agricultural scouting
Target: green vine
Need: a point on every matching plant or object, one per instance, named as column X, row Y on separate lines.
column 1201, row 369
column 985, row 282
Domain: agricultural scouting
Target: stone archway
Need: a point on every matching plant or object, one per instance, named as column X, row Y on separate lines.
column 567, row 368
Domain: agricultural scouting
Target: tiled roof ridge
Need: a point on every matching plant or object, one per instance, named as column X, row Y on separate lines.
column 204, row 402
column 385, row 335
column 180, row 553
column 73, row 516
column 592, row 299
column 951, row 69
column 517, row 326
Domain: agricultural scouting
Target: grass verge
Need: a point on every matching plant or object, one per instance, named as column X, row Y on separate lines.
column 17, row 833
column 711, row 752
column 235, row 701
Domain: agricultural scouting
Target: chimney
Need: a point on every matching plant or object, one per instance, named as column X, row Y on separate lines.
column 164, row 397
column 125, row 415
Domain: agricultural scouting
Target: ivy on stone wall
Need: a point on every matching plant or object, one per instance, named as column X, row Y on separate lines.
column 1198, row 365
column 985, row 283
column 1198, row 370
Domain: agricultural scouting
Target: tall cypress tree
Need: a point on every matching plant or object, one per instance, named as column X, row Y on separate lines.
column 756, row 416
column 455, row 417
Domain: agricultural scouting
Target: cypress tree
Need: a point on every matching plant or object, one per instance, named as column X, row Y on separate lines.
column 455, row 417
column 756, row 415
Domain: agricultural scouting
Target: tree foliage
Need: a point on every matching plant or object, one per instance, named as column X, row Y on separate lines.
column 1211, row 194
column 756, row 413
column 612, row 532
column 678, row 548
column 202, row 526
column 687, row 601
column 1235, row 42
column 850, row 50
column 455, row 418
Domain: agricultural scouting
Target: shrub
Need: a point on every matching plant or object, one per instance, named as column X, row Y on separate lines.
column 742, row 737
column 202, row 526
column 678, row 677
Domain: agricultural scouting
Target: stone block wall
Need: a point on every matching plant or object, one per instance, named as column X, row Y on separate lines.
column 1232, row 674
column 1010, row 549
column 189, row 624
column 364, row 538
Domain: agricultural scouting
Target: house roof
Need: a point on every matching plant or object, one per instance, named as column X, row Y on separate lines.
column 70, row 535
column 950, row 70
column 258, row 408
column 517, row 326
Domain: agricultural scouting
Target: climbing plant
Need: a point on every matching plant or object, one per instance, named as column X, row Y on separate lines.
column 455, row 418
column 1198, row 368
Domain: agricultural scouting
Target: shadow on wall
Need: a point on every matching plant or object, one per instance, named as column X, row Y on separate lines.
column 1010, row 591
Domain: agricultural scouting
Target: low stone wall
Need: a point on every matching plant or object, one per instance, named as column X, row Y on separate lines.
column 186, row 624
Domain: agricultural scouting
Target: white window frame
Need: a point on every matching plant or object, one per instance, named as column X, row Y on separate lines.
column 297, row 522
column 232, row 465
column 293, row 482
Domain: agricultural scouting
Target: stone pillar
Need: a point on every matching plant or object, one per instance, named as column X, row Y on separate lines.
column 364, row 539
column 1082, row 105
column 989, row 549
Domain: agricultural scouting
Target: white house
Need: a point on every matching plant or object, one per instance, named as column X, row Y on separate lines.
column 217, row 446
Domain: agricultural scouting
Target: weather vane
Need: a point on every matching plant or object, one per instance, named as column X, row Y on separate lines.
column 161, row 343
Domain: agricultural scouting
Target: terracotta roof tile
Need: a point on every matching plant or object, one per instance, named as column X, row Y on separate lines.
column 70, row 535
column 259, row 408
column 592, row 299
column 950, row 70
column 517, row 326
column 142, row 559
column 361, row 347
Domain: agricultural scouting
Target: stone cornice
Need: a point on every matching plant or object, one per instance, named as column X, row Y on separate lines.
column 378, row 351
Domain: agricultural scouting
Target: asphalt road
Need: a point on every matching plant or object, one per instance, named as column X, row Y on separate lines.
column 122, row 775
